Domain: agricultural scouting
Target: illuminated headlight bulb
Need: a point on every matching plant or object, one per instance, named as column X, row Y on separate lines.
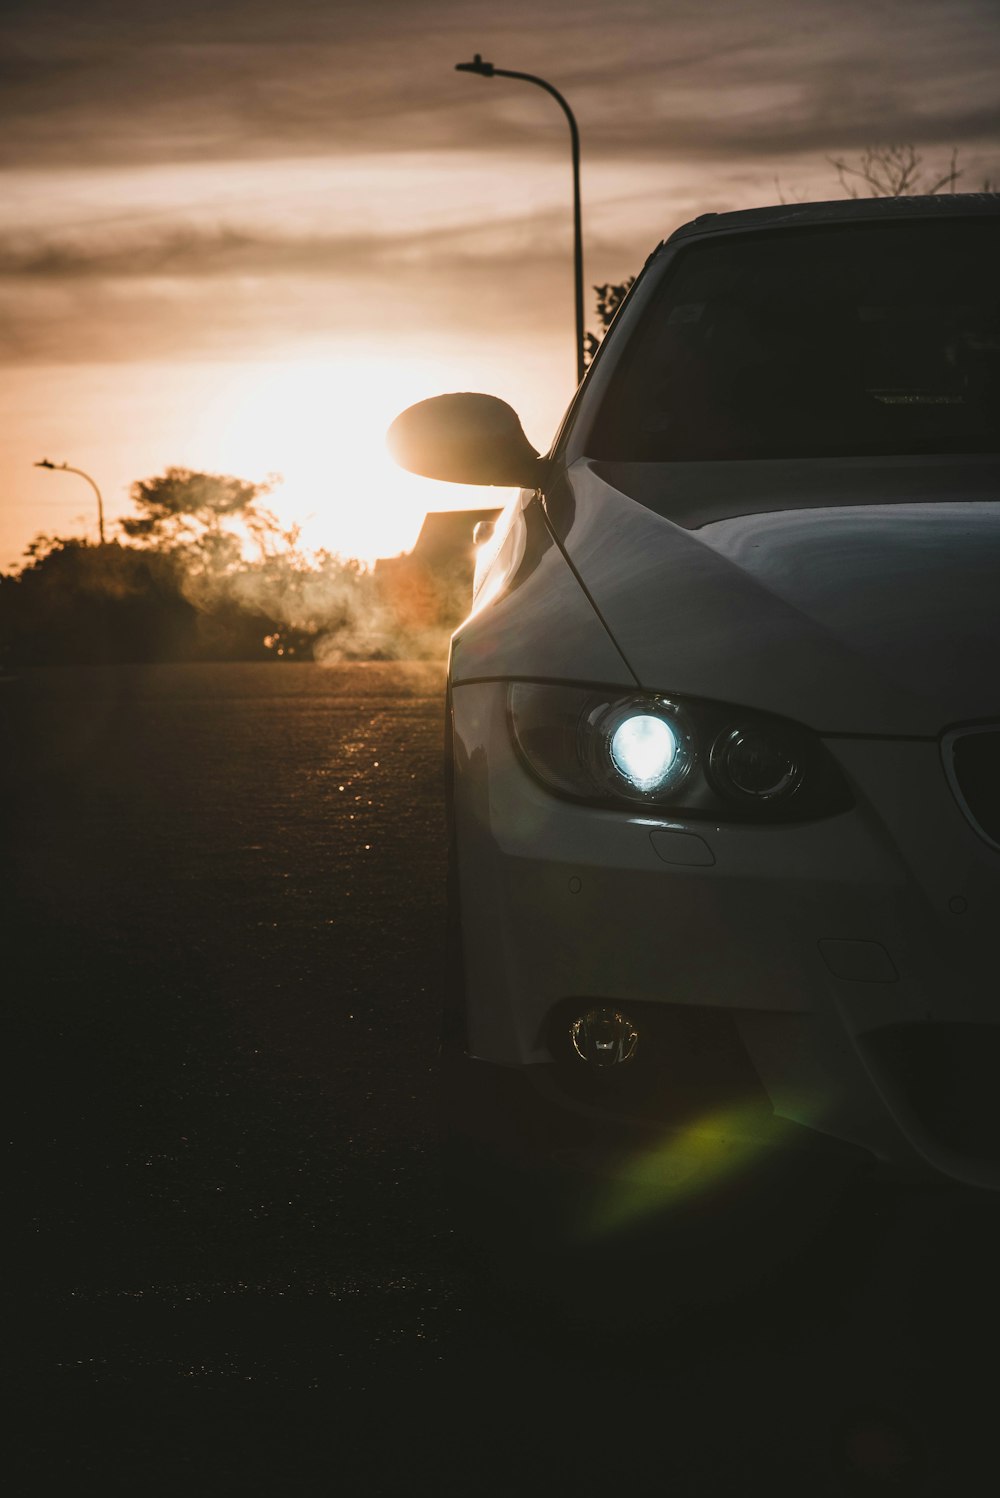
column 644, row 750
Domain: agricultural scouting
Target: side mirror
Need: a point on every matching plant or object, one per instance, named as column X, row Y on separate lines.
column 465, row 439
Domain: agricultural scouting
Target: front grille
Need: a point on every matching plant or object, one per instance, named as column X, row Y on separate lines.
column 972, row 759
column 945, row 1075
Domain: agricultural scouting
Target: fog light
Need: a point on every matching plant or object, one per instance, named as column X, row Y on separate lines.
column 604, row 1037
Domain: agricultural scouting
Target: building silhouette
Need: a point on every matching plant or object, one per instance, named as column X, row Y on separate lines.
column 430, row 587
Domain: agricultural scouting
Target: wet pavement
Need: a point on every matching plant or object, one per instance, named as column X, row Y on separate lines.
column 245, row 1264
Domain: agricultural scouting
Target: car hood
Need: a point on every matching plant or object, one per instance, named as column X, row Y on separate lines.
column 873, row 617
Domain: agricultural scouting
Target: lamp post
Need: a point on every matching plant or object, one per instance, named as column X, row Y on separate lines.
column 487, row 70
column 65, row 468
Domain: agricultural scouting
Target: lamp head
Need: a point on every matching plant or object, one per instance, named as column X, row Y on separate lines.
column 475, row 66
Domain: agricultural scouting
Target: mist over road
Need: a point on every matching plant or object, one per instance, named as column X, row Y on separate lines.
column 224, row 920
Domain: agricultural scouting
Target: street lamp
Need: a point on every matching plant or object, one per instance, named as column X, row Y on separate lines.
column 487, row 70
column 65, row 468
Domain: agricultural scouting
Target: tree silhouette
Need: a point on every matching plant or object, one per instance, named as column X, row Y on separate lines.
column 893, row 172
column 74, row 603
column 610, row 296
column 182, row 587
column 183, row 509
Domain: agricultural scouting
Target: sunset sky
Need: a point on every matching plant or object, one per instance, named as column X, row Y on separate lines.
column 240, row 236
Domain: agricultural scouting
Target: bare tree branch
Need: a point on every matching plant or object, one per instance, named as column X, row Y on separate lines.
column 893, row 171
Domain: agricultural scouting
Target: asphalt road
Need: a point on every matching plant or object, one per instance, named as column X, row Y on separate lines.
column 245, row 1264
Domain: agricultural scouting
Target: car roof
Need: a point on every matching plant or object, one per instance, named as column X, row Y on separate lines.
column 841, row 210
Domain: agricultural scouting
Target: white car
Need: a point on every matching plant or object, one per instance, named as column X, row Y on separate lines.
column 725, row 717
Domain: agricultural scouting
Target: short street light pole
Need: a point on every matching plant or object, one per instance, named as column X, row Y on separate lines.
column 65, row 468
column 487, row 70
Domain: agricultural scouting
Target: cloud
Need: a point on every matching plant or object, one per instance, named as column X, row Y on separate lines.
column 235, row 295
column 223, row 176
column 141, row 81
column 146, row 250
column 177, row 253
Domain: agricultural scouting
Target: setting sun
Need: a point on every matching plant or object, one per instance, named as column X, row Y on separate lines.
column 320, row 424
column 312, row 419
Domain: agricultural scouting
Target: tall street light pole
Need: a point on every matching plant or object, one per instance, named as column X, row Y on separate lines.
column 65, row 468
column 487, row 70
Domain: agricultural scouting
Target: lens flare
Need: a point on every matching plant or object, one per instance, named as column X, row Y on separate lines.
column 687, row 1162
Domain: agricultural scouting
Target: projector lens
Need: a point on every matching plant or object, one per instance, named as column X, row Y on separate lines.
column 643, row 751
column 751, row 766
column 638, row 747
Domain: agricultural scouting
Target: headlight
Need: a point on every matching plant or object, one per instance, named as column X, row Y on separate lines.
column 703, row 758
column 645, row 751
column 754, row 767
column 637, row 747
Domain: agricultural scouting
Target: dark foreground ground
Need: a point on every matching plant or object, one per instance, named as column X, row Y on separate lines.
column 243, row 1264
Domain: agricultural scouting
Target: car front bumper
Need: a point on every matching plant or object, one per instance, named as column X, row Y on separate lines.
column 821, row 958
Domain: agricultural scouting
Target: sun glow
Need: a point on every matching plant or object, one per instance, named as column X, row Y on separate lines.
column 320, row 424
column 314, row 416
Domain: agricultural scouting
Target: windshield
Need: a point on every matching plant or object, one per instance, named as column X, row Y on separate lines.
column 860, row 340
